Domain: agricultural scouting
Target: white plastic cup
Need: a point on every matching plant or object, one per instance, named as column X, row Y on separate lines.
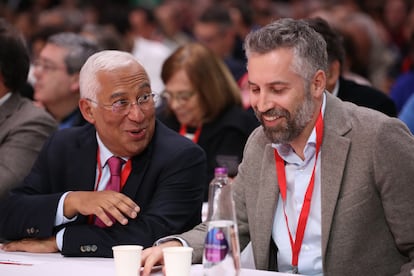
column 177, row 260
column 127, row 259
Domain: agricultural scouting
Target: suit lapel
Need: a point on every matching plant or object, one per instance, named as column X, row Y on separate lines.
column 135, row 178
column 266, row 207
column 84, row 171
column 334, row 153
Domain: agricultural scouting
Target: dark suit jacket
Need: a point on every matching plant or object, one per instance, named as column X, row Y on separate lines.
column 367, row 192
column 164, row 182
column 73, row 119
column 223, row 139
column 367, row 96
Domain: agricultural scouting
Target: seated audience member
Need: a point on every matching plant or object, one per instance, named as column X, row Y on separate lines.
column 203, row 103
column 125, row 178
column 23, row 127
column 57, row 76
column 351, row 168
column 215, row 29
column 348, row 90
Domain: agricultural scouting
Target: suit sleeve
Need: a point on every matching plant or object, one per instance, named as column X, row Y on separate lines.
column 29, row 211
column 394, row 163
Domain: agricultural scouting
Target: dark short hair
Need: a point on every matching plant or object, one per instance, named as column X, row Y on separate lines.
column 217, row 14
column 334, row 40
column 14, row 57
column 79, row 49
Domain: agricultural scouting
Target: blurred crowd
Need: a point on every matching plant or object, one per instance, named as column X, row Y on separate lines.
column 378, row 36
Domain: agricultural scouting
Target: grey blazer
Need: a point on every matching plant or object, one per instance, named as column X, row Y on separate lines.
column 23, row 130
column 367, row 161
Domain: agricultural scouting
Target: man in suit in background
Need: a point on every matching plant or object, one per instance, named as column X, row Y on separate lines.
column 348, row 90
column 65, row 203
column 57, row 76
column 353, row 164
column 23, row 127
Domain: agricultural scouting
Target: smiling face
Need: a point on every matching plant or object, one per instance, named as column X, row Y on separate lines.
column 283, row 102
column 123, row 134
column 184, row 101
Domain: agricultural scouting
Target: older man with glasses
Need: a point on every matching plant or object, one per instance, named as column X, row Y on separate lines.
column 125, row 178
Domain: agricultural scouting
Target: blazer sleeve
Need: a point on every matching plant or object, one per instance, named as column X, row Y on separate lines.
column 30, row 210
column 394, row 162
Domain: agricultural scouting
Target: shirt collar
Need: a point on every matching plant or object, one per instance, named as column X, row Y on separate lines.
column 104, row 152
column 5, row 98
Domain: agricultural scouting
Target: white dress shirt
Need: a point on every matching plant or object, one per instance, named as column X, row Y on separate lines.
column 298, row 173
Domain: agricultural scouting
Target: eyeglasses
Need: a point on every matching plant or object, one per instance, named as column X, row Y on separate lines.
column 123, row 106
column 47, row 66
column 180, row 97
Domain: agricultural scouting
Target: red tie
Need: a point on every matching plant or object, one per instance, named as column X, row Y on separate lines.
column 114, row 183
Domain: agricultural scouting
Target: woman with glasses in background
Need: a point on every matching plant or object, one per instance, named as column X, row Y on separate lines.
column 202, row 102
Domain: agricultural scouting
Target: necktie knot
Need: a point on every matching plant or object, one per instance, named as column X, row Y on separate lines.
column 115, row 164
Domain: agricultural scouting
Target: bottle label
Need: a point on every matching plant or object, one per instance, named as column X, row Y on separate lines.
column 216, row 245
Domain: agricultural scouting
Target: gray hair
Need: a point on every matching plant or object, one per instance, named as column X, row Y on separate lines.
column 108, row 60
column 79, row 49
column 309, row 47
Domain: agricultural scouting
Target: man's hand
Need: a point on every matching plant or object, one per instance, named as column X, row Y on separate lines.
column 32, row 245
column 101, row 204
column 153, row 256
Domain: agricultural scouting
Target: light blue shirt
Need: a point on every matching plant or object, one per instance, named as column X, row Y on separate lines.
column 104, row 155
column 298, row 174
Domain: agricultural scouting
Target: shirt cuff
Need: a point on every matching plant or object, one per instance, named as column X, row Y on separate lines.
column 60, row 217
column 171, row 238
column 59, row 239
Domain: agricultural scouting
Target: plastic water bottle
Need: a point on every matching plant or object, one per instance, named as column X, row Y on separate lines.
column 221, row 254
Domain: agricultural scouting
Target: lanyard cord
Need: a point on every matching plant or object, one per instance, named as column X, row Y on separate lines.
column 304, row 214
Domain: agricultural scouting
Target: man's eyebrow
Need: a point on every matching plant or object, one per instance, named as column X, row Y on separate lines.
column 145, row 85
column 270, row 83
column 117, row 94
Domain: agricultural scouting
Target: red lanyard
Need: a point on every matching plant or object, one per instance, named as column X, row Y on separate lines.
column 183, row 132
column 304, row 213
column 126, row 170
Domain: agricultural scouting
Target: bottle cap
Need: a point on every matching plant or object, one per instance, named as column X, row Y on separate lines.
column 220, row 170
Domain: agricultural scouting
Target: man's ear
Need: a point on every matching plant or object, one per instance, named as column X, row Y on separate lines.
column 318, row 84
column 87, row 110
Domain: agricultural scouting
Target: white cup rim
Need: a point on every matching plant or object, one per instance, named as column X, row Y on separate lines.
column 177, row 249
column 127, row 247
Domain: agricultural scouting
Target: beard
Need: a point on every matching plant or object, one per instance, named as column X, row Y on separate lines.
column 293, row 126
